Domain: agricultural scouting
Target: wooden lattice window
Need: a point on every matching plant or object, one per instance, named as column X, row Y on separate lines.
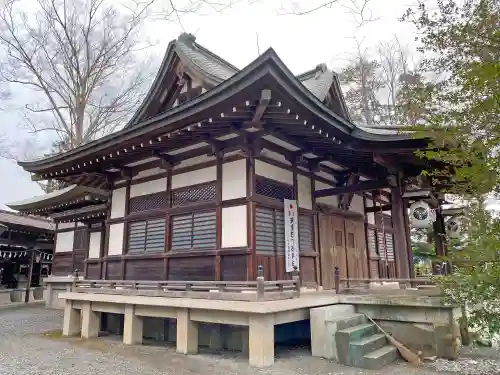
column 270, row 232
column 148, row 202
column 273, row 189
column 194, row 231
column 306, row 242
column 194, row 194
column 389, row 241
column 146, row 236
column 372, row 242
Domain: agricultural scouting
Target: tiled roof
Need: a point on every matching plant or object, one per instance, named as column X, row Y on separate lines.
column 317, row 80
column 56, row 197
column 12, row 218
column 203, row 59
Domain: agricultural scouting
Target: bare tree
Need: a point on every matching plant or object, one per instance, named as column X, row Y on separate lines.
column 359, row 10
column 394, row 65
column 362, row 83
column 79, row 58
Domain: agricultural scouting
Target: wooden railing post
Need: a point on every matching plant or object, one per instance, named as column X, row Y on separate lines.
column 296, row 279
column 75, row 279
column 336, row 276
column 260, row 282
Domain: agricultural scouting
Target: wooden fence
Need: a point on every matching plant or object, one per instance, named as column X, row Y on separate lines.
column 259, row 290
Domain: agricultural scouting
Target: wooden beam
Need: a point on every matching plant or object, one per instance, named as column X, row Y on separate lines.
column 346, row 199
column 362, row 186
column 386, row 163
column 385, row 207
column 265, row 99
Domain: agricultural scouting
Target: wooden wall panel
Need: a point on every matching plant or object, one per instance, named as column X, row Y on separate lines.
column 332, row 248
column 62, row 265
column 79, row 261
column 192, row 268
column 233, row 267
column 114, row 270
column 93, row 271
column 357, row 262
column 307, row 270
column 144, row 269
column 374, row 272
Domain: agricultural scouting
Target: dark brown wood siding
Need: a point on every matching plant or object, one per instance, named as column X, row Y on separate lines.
column 144, row 269
column 233, row 267
column 192, row 268
column 62, row 265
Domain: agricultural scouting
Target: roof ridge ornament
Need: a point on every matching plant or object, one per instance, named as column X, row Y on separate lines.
column 187, row 38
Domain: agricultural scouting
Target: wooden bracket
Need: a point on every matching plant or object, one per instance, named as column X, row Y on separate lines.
column 265, row 99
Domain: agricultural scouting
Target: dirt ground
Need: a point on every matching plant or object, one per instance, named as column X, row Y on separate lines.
column 30, row 344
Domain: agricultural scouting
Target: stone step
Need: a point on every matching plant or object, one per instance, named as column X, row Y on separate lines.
column 356, row 332
column 366, row 345
column 349, row 321
column 379, row 358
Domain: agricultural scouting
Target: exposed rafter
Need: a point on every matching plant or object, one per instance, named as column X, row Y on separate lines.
column 265, row 99
column 357, row 188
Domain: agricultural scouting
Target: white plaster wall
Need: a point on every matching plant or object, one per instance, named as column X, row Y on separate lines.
column 331, row 200
column 273, row 172
column 115, row 245
column 234, row 179
column 325, row 175
column 194, row 161
column 64, row 242
column 199, row 176
column 275, row 156
column 118, row 203
column 149, row 187
column 370, row 216
column 94, row 244
column 357, row 205
column 148, row 172
column 304, row 193
column 234, row 226
column 65, row 225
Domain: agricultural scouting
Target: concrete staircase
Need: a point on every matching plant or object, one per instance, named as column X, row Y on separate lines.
column 359, row 344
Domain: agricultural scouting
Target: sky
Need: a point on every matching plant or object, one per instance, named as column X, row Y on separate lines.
column 302, row 42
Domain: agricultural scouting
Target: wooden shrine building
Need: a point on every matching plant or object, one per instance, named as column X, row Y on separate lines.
column 20, row 237
column 193, row 187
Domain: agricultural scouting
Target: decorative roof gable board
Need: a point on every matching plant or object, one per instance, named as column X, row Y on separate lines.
column 186, row 57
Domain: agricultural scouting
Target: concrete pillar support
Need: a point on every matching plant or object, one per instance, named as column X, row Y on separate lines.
column 261, row 340
column 47, row 295
column 72, row 319
column 187, row 333
column 132, row 326
column 91, row 321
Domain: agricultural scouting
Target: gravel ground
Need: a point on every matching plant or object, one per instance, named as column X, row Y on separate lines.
column 28, row 347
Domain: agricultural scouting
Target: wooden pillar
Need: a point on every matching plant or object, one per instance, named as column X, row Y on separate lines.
column 406, row 206
column 439, row 233
column 401, row 250
column 252, row 258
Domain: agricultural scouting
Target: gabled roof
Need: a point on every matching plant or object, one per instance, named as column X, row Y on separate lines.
column 65, row 196
column 13, row 219
column 325, row 127
column 214, row 70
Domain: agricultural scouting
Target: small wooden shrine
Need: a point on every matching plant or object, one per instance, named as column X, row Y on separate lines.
column 193, row 187
column 21, row 238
